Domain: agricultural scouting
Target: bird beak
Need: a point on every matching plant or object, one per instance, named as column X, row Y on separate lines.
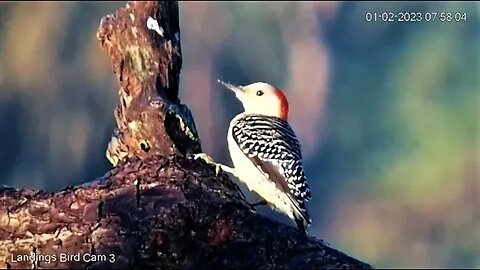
column 238, row 89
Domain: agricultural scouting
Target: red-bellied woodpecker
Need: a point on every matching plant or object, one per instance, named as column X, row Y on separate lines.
column 266, row 153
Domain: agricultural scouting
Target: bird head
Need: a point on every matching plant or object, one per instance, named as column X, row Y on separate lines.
column 261, row 98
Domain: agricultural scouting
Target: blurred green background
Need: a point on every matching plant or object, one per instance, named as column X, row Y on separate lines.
column 387, row 113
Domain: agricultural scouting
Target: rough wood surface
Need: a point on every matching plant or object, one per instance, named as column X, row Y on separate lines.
column 157, row 207
column 159, row 212
column 143, row 42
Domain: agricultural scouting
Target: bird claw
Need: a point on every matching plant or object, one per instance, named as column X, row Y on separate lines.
column 209, row 160
column 259, row 203
column 217, row 169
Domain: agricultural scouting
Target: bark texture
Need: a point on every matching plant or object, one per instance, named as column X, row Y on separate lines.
column 143, row 42
column 158, row 212
column 157, row 207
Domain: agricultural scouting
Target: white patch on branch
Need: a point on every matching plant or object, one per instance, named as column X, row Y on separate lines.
column 132, row 17
column 152, row 24
column 134, row 31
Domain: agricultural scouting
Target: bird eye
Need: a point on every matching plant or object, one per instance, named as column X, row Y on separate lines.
column 259, row 93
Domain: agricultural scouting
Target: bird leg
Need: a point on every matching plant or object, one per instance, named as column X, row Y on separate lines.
column 218, row 166
column 209, row 160
column 258, row 203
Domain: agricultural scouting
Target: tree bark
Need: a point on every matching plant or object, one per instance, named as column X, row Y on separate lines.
column 157, row 207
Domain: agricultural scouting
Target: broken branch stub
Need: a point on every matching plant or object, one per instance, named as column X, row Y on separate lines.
column 142, row 40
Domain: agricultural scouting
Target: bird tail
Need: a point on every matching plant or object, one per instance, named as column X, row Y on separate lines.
column 302, row 219
column 301, row 225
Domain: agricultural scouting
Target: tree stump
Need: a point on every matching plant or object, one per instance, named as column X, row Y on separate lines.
column 156, row 207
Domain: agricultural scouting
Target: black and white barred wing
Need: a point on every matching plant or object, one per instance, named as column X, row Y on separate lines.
column 274, row 148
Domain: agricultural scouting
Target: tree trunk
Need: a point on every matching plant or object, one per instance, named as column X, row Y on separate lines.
column 157, row 207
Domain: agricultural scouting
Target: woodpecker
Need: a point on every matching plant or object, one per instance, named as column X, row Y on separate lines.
column 266, row 153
